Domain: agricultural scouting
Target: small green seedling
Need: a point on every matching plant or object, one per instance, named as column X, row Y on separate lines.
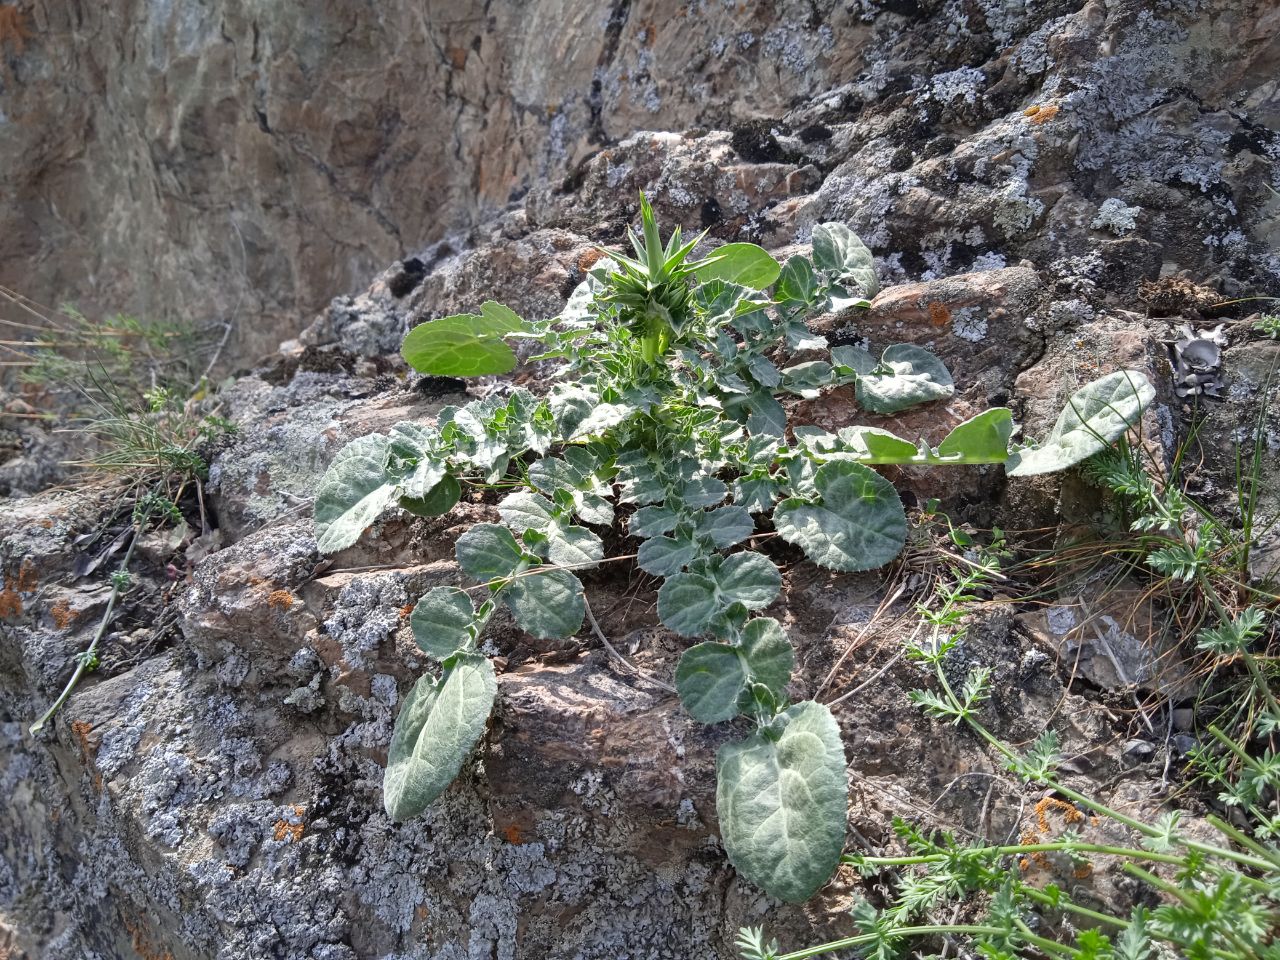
column 666, row 398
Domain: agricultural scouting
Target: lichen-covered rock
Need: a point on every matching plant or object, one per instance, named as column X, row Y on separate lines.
column 1049, row 190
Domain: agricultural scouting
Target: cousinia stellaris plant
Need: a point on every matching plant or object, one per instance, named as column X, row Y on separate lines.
column 668, row 373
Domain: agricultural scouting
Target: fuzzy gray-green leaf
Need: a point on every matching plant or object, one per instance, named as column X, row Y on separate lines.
column 907, row 375
column 855, row 521
column 440, row 622
column 1095, row 417
column 488, row 551
column 687, row 602
column 749, row 578
column 547, row 604
column 353, row 493
column 782, row 803
column 769, row 654
column 665, row 556
column 436, row 730
column 838, row 251
column 709, row 679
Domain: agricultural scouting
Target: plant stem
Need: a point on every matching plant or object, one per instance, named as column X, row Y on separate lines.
column 83, row 660
column 1081, row 800
column 1015, row 850
column 863, row 938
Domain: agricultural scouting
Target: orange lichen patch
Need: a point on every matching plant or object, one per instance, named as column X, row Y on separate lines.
column 1031, row 111
column 1068, row 810
column 1082, row 871
column 27, row 579
column 588, row 258
column 939, row 314
column 142, row 945
column 512, row 833
column 406, row 610
column 10, row 604
column 1041, row 115
column 280, row 600
column 62, row 614
column 46, row 523
column 457, row 57
column 13, row 27
column 290, row 831
column 82, row 729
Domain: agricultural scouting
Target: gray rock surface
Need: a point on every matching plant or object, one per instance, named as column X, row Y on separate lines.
column 1049, row 188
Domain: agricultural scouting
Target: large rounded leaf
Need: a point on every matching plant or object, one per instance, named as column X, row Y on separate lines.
column 546, row 603
column 906, row 376
column 749, row 578
column 488, row 551
column 353, row 493
column 980, row 439
column 782, row 800
column 709, row 678
column 436, row 730
column 1095, row 417
column 465, row 345
column 856, row 522
column 440, row 622
column 687, row 602
column 741, row 263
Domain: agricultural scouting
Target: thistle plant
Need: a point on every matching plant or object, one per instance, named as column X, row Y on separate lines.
column 666, row 396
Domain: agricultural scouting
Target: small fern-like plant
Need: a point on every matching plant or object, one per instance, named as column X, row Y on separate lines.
column 666, row 397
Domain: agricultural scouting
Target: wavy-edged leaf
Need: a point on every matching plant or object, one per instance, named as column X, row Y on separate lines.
column 849, row 360
column 439, row 500
column 782, row 799
column 546, row 603
column 855, row 522
column 1095, row 416
column 487, row 552
column 756, row 492
column 726, row 526
column 839, row 251
column 652, row 521
column 741, row 263
column 906, row 376
column 666, row 556
column 709, row 678
column 980, row 439
column 687, row 602
column 769, row 654
column 807, row 379
column 438, row 726
column 749, row 578
column 464, row 345
column 767, row 416
column 353, row 493
column 602, row 417
column 567, row 544
column 441, row 622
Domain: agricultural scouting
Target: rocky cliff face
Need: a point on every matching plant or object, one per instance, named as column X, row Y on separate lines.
column 1050, row 191
column 240, row 161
